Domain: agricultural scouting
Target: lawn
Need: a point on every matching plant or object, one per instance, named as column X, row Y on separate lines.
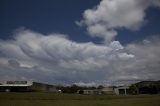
column 51, row 99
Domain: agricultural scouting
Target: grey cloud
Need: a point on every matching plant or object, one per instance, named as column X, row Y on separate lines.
column 56, row 59
column 31, row 54
column 13, row 63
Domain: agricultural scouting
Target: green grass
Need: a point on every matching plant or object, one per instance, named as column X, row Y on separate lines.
column 51, row 99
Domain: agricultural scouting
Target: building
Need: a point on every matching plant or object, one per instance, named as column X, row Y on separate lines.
column 26, row 86
column 147, row 87
column 92, row 91
column 123, row 90
column 15, row 86
column 108, row 90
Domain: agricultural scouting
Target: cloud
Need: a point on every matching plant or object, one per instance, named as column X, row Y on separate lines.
column 54, row 58
column 55, row 55
column 146, row 55
column 86, row 84
column 110, row 15
column 155, row 2
column 13, row 63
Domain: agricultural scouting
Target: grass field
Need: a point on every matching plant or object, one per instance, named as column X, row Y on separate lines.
column 50, row 99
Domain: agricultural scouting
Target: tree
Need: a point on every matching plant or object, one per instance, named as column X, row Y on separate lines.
column 134, row 89
column 100, row 87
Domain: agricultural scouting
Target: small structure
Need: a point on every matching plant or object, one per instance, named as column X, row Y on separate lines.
column 108, row 90
column 92, row 92
column 123, row 90
column 25, row 86
column 15, row 86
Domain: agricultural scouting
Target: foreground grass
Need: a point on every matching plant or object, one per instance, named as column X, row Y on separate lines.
column 50, row 99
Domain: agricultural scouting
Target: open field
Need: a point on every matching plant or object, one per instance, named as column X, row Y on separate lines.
column 50, row 99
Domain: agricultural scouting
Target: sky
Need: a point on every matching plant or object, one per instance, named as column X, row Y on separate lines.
column 83, row 42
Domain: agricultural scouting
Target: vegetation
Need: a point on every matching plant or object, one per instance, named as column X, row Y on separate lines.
column 51, row 99
column 145, row 87
column 73, row 88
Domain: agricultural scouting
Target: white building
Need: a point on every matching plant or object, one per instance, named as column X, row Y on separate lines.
column 124, row 90
column 16, row 83
column 25, row 86
column 90, row 91
column 108, row 90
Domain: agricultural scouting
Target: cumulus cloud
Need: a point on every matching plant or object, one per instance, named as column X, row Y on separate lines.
column 55, row 58
column 34, row 52
column 110, row 15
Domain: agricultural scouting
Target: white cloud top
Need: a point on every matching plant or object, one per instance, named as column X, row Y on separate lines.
column 109, row 15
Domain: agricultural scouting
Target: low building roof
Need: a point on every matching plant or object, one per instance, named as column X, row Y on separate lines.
column 16, row 83
column 122, row 87
column 107, row 89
